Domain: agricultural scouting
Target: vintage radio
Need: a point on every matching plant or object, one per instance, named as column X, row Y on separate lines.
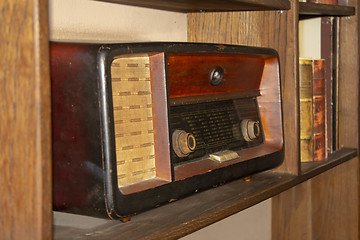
column 138, row 125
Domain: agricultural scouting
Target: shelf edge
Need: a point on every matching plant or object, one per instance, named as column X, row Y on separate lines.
column 315, row 9
column 221, row 202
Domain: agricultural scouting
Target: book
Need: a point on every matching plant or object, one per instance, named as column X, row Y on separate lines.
column 319, row 107
column 329, row 52
column 306, row 109
column 318, row 39
column 335, row 84
column 312, row 109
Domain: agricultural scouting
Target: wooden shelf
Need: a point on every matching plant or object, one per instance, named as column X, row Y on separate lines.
column 196, row 211
column 207, row 6
column 315, row 9
column 311, row 169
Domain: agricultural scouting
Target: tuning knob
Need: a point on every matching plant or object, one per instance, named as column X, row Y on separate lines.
column 183, row 143
column 250, row 129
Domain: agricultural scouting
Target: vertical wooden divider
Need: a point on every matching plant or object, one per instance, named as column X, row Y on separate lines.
column 25, row 125
column 330, row 209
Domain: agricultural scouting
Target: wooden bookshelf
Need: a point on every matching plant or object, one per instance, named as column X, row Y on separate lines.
column 325, row 193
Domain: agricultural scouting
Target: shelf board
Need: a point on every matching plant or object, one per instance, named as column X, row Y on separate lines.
column 206, row 5
column 187, row 215
column 316, row 9
column 311, row 169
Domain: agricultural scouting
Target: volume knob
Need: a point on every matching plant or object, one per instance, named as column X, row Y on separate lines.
column 250, row 129
column 183, row 143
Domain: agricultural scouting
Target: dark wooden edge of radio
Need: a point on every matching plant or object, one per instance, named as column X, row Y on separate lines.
column 190, row 214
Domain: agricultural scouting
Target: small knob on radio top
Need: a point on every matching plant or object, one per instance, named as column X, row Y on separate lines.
column 250, row 129
column 183, row 143
column 216, row 76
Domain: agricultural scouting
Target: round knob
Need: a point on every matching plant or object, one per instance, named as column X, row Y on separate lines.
column 250, row 129
column 183, row 143
column 216, row 76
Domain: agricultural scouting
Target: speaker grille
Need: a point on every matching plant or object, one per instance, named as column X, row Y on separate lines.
column 133, row 119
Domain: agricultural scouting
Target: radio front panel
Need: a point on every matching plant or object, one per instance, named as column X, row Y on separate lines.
column 159, row 121
column 216, row 126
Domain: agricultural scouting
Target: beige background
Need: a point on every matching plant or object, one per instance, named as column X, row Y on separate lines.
column 310, row 38
column 92, row 21
column 89, row 20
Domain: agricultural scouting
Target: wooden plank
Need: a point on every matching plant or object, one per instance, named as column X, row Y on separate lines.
column 349, row 80
column 25, row 160
column 318, row 166
column 284, row 225
column 349, row 120
column 272, row 29
column 334, row 203
column 320, row 208
column 209, row 6
column 187, row 215
column 332, row 209
column 316, row 9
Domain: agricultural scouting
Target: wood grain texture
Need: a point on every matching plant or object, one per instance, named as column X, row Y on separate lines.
column 293, row 221
column 25, row 161
column 272, row 29
column 184, row 216
column 316, row 9
column 349, row 80
column 349, row 95
column 324, row 207
column 199, row 210
column 242, row 72
column 334, row 203
column 334, row 195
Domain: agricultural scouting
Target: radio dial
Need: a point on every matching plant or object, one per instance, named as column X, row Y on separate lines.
column 250, row 129
column 183, row 143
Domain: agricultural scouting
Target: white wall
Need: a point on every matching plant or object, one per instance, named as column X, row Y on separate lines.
column 310, row 38
column 251, row 224
column 92, row 21
column 86, row 20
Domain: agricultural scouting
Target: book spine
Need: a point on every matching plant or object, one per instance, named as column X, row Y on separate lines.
column 319, row 109
column 306, row 110
column 326, row 54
